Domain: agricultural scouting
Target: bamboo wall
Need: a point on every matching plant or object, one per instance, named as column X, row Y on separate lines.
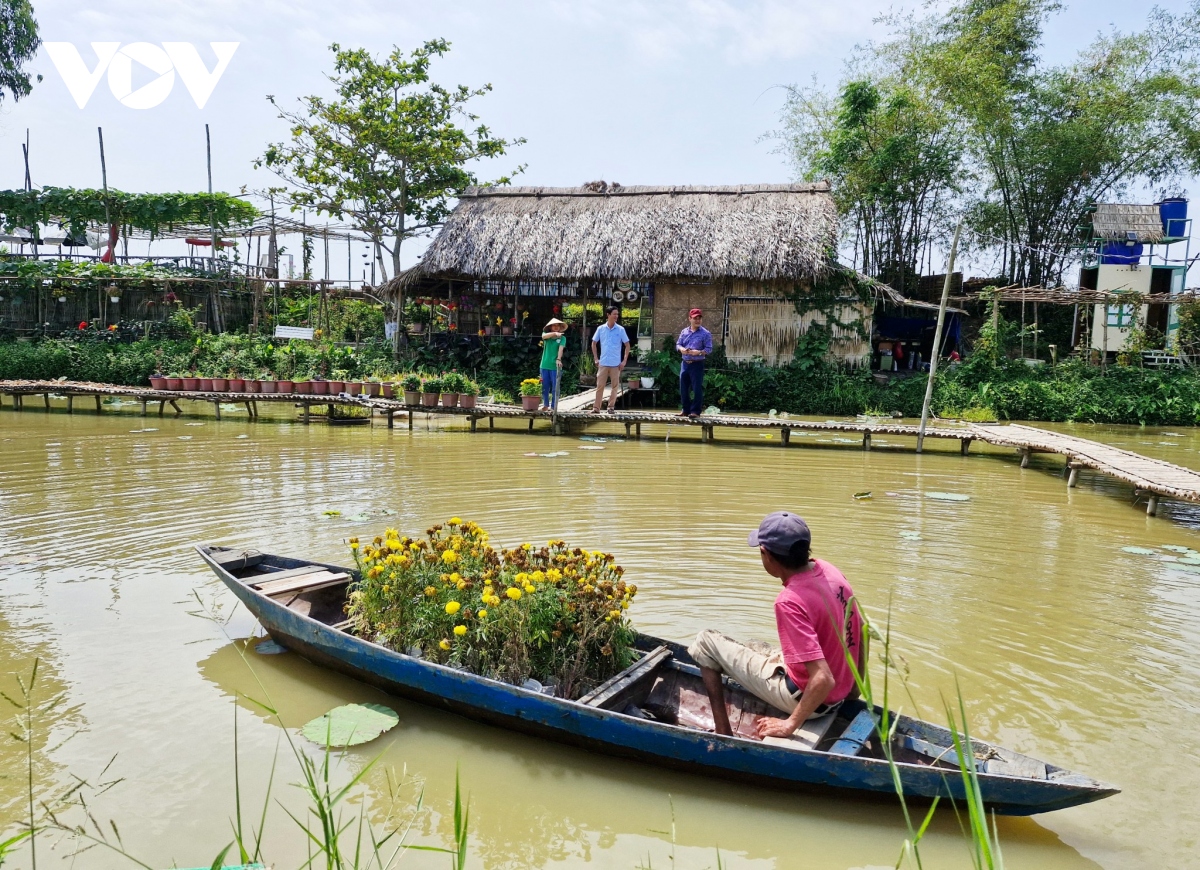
column 768, row 328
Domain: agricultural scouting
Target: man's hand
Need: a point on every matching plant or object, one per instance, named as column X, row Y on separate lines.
column 767, row 727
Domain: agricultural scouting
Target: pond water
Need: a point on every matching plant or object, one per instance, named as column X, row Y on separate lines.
column 1064, row 645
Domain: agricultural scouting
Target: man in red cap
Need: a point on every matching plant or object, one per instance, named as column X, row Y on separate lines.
column 819, row 627
column 695, row 344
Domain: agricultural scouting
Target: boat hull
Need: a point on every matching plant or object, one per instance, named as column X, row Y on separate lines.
column 612, row 733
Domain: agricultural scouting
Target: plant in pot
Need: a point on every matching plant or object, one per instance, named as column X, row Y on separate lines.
column 431, row 389
column 337, row 383
column 175, row 380
column 411, row 384
column 531, row 393
column 206, row 384
column 158, row 381
column 220, row 383
column 468, row 394
column 235, row 382
column 587, row 369
column 114, row 293
column 303, row 386
column 190, row 382
column 452, row 384
column 266, row 382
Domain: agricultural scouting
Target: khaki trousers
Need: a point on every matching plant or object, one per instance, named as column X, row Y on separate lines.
column 604, row 374
column 760, row 674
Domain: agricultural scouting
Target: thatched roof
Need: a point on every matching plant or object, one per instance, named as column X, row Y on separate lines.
column 1115, row 221
column 761, row 232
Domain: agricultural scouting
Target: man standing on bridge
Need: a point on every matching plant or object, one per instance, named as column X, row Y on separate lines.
column 610, row 348
column 695, row 344
column 819, row 626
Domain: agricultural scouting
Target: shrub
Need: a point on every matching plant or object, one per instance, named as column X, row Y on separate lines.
column 553, row 611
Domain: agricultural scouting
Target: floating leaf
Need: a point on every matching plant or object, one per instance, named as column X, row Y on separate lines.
column 1175, row 548
column 1190, row 560
column 333, row 513
column 865, row 494
column 359, row 518
column 1138, row 551
column 910, row 535
column 590, row 447
column 948, row 496
column 351, row 724
column 388, row 512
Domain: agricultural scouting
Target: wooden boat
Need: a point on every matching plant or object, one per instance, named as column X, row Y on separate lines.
column 656, row 710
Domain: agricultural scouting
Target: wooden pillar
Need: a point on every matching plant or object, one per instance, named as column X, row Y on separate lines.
column 638, row 429
column 390, row 414
column 627, row 426
column 1072, row 474
column 175, row 405
column 98, row 406
column 249, row 413
column 1025, row 454
column 785, row 437
column 217, row 407
column 143, row 407
column 491, row 423
column 46, row 398
column 410, row 419
column 70, row 403
column 162, row 404
column 531, row 424
column 866, row 441
column 474, row 422
column 254, row 404
column 1152, row 505
column 964, row 445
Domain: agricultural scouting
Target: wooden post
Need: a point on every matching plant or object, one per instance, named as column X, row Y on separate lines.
column 638, row 429
column 491, row 424
column 390, row 414
column 1025, row 454
column 964, row 445
column 785, row 437
column 46, row 399
column 474, row 422
column 1152, row 505
column 70, row 403
column 937, row 339
column 627, row 425
column 866, row 441
column 410, row 419
column 143, row 407
column 1072, row 474
column 162, row 404
column 99, row 407
column 531, row 424
column 178, row 410
column 217, row 408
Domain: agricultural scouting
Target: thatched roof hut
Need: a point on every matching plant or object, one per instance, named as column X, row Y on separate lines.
column 1116, row 221
column 757, row 232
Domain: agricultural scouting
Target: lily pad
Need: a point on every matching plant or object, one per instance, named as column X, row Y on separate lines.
column 351, row 724
column 910, row 535
column 948, row 496
column 590, row 447
column 359, row 518
column 1139, row 551
column 1189, row 560
column 333, row 513
column 861, row 496
column 1175, row 548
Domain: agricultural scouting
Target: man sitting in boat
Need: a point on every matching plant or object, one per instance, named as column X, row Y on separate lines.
column 819, row 626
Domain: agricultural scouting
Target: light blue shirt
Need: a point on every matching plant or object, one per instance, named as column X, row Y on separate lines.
column 611, row 341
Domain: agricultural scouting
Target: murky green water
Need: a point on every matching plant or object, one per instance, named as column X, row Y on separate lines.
column 1064, row 646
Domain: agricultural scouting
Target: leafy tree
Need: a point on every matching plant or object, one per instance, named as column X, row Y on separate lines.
column 893, row 156
column 19, row 42
column 387, row 152
column 1051, row 140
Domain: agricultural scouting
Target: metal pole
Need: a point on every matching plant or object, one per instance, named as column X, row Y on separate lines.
column 937, row 338
column 104, row 181
column 215, row 292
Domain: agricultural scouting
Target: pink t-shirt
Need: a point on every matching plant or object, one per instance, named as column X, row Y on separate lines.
column 810, row 614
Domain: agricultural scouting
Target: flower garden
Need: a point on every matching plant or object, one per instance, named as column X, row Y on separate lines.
column 556, row 614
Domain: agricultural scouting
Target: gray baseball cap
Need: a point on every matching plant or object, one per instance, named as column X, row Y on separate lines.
column 779, row 531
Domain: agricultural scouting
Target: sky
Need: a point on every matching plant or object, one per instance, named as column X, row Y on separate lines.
column 635, row 91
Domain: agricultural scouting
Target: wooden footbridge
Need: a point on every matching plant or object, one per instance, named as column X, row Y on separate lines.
column 1152, row 478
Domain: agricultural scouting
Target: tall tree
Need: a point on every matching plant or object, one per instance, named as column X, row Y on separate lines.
column 893, row 157
column 19, row 42
column 387, row 153
column 1051, row 140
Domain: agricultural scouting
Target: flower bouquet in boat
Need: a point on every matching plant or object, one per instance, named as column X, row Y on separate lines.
column 556, row 614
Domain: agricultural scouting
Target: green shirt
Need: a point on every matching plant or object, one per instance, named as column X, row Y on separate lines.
column 550, row 350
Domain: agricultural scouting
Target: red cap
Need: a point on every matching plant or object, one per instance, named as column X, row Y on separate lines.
column 695, row 312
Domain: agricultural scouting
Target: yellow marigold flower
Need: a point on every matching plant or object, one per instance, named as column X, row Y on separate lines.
column 615, row 614
column 514, row 594
column 452, row 607
column 530, row 588
column 482, row 614
column 444, row 644
column 387, row 588
column 624, row 605
column 414, row 546
column 522, row 577
column 402, row 561
column 460, row 630
column 354, row 545
column 354, row 540
column 527, row 547
column 455, row 521
column 461, row 584
column 554, row 575
column 430, row 591
column 450, row 557
column 589, row 588
column 538, row 576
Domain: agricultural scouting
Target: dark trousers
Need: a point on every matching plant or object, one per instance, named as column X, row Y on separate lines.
column 691, row 387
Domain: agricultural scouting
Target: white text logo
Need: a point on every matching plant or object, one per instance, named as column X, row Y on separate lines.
column 163, row 62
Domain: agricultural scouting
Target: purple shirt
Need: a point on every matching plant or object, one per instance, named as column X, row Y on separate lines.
column 695, row 339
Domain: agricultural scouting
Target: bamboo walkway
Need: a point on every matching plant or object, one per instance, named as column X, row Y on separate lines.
column 1152, row 478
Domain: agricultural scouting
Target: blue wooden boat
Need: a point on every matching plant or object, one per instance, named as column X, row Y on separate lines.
column 654, row 711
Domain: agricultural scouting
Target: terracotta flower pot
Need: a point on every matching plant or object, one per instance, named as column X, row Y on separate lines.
column 285, row 386
column 388, row 391
column 220, row 385
column 253, row 386
column 237, row 385
column 531, row 403
column 449, row 400
column 412, row 397
column 191, row 384
column 174, row 383
column 465, row 401
column 372, row 388
column 336, row 387
column 320, row 388
column 304, row 388
column 158, row 382
column 353, row 388
column 429, row 400
column 206, row 385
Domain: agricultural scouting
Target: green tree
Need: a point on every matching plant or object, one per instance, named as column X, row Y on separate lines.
column 19, row 42
column 894, row 157
column 1051, row 140
column 387, row 153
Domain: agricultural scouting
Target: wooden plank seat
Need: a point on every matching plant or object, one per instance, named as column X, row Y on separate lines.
column 272, row 574
column 298, row 585
column 615, row 692
column 808, row 735
column 856, row 735
column 236, row 560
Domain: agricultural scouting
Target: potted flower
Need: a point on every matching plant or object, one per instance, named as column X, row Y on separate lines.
column 303, row 386
column 587, row 369
column 531, row 393
column 220, row 385
column 206, row 385
column 320, row 386
column 190, row 382
column 253, row 384
column 114, row 293
column 174, row 381
column 337, row 384
column 288, row 386
column 431, row 389
column 387, row 389
column 452, row 384
column 468, row 394
column 507, row 329
column 235, row 382
column 411, row 384
column 353, row 387
column 372, row 387
column 266, row 383
column 633, row 381
column 158, row 381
